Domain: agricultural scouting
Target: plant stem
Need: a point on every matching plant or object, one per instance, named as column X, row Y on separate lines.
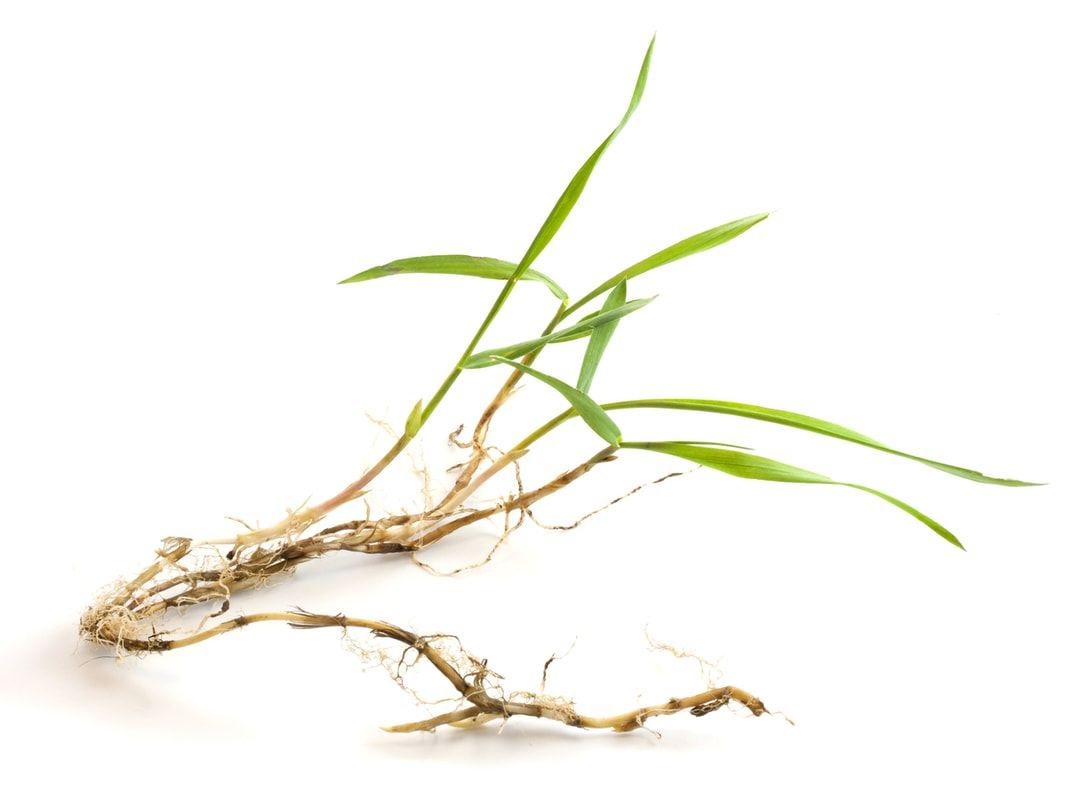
column 355, row 488
column 498, row 304
column 522, row 501
column 548, row 426
column 482, row 428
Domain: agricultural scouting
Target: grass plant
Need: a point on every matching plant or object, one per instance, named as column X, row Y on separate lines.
column 133, row 615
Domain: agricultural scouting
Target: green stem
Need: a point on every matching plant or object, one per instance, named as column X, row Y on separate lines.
column 354, row 489
column 548, row 426
column 439, row 395
column 530, row 357
column 456, row 370
column 428, row 409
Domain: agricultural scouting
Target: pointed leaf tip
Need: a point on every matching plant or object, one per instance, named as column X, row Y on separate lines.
column 754, row 467
column 810, row 424
column 698, row 243
column 574, row 189
column 414, row 421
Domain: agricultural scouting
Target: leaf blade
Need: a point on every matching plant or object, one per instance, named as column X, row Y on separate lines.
column 740, row 464
column 698, row 243
column 545, row 233
column 812, row 425
column 574, row 189
column 599, row 338
column 485, row 358
column 471, row 266
column 593, row 415
column 933, row 524
column 755, row 467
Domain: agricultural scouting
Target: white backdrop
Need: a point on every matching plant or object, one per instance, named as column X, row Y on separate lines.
column 184, row 184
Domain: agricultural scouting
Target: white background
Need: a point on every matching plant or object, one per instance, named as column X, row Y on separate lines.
column 183, row 184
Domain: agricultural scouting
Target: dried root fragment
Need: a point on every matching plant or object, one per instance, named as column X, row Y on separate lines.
column 477, row 688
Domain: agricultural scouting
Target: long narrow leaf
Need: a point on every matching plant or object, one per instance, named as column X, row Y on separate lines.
column 544, row 235
column 594, row 416
column 811, row 424
column 706, row 443
column 599, row 338
column 687, row 247
column 753, row 467
column 473, row 266
column 574, row 189
column 576, row 331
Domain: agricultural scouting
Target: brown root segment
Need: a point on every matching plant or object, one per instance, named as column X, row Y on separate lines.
column 481, row 697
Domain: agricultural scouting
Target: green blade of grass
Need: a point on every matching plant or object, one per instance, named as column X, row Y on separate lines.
column 577, row 184
column 595, row 417
column 473, row 266
column 812, row 425
column 485, row 358
column 599, row 338
column 706, row 443
column 545, row 233
column 687, row 247
column 753, row 467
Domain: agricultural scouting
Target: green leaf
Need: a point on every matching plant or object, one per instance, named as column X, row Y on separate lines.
column 594, row 416
column 414, row 421
column 753, row 467
column 709, row 444
column 574, row 189
column 811, row 424
column 474, row 266
column 576, row 331
column 687, row 247
column 544, row 235
column 599, row 338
